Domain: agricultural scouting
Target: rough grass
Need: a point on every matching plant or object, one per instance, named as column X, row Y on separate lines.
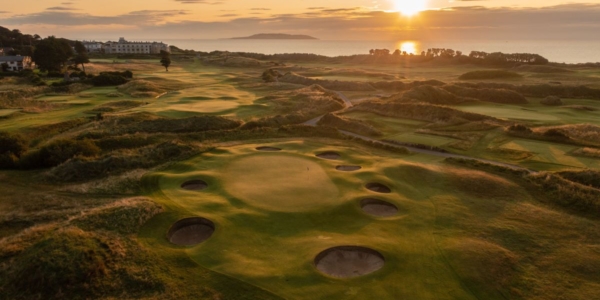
column 585, row 133
column 298, row 106
column 589, row 178
column 118, row 162
column 488, row 95
column 433, row 95
column 542, row 69
column 126, row 216
column 349, row 124
column 116, row 106
column 141, row 89
column 489, row 74
column 421, row 111
column 587, row 152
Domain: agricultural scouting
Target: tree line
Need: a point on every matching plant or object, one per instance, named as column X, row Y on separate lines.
column 495, row 58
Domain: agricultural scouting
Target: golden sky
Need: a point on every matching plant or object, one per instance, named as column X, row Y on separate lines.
column 331, row 19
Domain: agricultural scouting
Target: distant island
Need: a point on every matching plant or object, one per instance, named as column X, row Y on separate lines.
column 276, row 36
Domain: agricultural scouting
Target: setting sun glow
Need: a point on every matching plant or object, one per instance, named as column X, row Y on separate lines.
column 410, row 7
column 409, row 47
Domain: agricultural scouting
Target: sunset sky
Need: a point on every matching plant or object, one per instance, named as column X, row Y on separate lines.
column 331, row 19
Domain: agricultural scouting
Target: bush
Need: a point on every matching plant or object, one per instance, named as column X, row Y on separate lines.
column 124, row 74
column 108, row 80
column 60, row 151
column 556, row 134
column 518, row 128
column 13, row 144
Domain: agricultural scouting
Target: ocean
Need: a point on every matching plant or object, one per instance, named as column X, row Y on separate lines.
column 560, row 51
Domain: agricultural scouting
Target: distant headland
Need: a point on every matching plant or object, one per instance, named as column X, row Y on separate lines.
column 276, row 36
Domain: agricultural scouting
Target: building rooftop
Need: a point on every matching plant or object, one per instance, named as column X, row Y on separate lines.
column 12, row 58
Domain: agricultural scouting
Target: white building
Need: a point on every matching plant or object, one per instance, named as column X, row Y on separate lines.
column 123, row 46
column 93, row 46
column 17, row 63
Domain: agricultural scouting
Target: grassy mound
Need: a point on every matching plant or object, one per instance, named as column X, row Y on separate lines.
column 433, row 95
column 241, row 62
column 421, row 112
column 347, row 124
column 585, row 133
column 141, row 89
column 488, row 95
column 116, row 106
column 489, row 74
column 298, row 106
column 114, row 163
column 125, row 217
column 542, row 69
column 541, row 90
column 328, row 84
column 588, row 177
column 71, row 263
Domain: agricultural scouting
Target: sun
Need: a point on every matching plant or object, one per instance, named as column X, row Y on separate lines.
column 410, row 8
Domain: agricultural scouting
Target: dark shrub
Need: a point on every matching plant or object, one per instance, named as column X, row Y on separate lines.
column 556, row 134
column 124, row 74
column 108, row 80
column 13, row 144
column 55, row 74
column 60, row 151
column 520, row 129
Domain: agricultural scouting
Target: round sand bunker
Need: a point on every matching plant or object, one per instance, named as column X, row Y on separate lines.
column 194, row 185
column 191, row 231
column 349, row 261
column 348, row 168
column 378, row 208
column 378, row 188
column 268, row 149
column 329, row 155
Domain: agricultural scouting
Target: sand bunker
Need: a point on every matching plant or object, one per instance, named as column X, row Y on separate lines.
column 194, row 185
column 271, row 149
column 191, row 231
column 348, row 168
column 378, row 187
column 349, row 261
column 378, row 208
column 329, row 155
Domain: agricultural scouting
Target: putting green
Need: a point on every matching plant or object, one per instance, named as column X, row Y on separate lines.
column 280, row 182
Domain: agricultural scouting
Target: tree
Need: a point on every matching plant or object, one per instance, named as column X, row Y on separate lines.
column 81, row 57
column 165, row 60
column 51, row 54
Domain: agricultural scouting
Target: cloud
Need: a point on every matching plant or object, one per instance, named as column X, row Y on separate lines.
column 60, row 8
column 473, row 22
column 67, row 18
